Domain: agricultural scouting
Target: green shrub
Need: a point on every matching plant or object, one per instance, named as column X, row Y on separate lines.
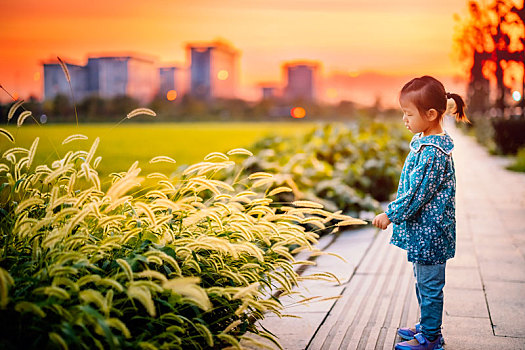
column 498, row 135
column 519, row 163
column 349, row 167
column 509, row 134
column 188, row 263
column 483, row 130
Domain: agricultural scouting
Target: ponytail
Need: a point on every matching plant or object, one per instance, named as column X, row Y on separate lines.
column 459, row 113
column 428, row 93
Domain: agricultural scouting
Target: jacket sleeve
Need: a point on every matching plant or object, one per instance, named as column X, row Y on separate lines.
column 424, row 180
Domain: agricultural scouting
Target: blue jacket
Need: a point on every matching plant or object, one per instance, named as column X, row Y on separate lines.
column 424, row 212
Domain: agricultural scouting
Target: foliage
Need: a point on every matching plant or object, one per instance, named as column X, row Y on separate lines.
column 95, row 109
column 481, row 128
column 490, row 41
column 347, row 167
column 498, row 135
column 519, row 163
column 186, row 264
column 509, row 134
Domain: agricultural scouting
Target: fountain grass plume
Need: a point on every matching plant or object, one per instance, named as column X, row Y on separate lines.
column 23, row 117
column 134, row 113
column 142, row 110
column 7, row 134
column 68, row 78
column 13, row 109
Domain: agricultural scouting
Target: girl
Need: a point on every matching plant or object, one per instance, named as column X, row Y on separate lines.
column 424, row 210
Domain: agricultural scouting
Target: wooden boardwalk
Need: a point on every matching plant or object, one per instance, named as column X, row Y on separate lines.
column 375, row 298
column 376, row 301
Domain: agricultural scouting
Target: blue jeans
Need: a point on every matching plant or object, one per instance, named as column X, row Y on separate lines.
column 430, row 280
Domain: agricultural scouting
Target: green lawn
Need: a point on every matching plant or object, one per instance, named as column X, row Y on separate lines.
column 120, row 146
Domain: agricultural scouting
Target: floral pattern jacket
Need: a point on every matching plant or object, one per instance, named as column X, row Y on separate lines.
column 424, row 212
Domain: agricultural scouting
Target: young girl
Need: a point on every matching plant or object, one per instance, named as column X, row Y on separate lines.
column 424, row 210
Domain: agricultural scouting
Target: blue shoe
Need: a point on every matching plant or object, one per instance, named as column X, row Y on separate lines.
column 407, row 333
column 423, row 344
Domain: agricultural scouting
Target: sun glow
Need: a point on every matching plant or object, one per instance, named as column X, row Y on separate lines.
column 222, row 75
column 171, row 95
column 298, row 112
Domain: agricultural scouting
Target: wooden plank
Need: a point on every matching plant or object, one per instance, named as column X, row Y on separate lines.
column 354, row 330
column 381, row 307
column 376, row 301
column 388, row 304
column 380, row 296
column 389, row 328
column 346, row 306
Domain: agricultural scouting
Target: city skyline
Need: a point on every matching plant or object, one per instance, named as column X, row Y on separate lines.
column 209, row 73
column 351, row 39
column 105, row 76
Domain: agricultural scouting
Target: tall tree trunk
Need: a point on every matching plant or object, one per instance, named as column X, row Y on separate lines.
column 500, row 98
column 523, row 64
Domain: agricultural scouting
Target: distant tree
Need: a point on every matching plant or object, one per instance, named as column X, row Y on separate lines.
column 262, row 108
column 61, row 107
column 34, row 105
column 346, row 108
column 94, row 108
column 166, row 110
column 233, row 108
column 120, row 106
column 488, row 41
column 192, row 108
column 521, row 14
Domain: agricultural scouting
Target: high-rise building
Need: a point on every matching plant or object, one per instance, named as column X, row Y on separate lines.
column 269, row 91
column 106, row 77
column 55, row 81
column 173, row 82
column 134, row 76
column 301, row 80
column 212, row 70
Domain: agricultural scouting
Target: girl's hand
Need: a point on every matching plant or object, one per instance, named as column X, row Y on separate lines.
column 381, row 221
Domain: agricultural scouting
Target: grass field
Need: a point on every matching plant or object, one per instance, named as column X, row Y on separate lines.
column 120, row 146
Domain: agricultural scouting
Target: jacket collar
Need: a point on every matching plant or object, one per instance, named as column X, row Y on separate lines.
column 443, row 143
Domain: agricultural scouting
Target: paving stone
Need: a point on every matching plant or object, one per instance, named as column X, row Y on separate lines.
column 512, row 217
column 457, row 326
column 351, row 246
column 501, row 270
column 521, row 247
column 296, row 336
column 472, row 341
column 507, row 307
column 465, row 302
column 463, row 278
column 342, row 270
column 465, row 256
column 503, row 240
column 322, row 243
column 319, row 291
column 486, row 228
column 499, row 250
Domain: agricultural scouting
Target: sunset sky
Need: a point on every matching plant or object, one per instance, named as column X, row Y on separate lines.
column 397, row 39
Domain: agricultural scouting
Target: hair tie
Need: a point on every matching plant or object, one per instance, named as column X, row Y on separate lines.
column 448, row 95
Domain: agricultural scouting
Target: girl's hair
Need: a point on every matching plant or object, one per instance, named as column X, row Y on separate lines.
column 427, row 92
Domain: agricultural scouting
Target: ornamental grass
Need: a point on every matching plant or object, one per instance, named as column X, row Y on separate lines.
column 188, row 262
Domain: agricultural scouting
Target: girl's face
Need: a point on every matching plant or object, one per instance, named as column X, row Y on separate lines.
column 414, row 121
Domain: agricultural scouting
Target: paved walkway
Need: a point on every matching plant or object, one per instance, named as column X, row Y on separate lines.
column 485, row 289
